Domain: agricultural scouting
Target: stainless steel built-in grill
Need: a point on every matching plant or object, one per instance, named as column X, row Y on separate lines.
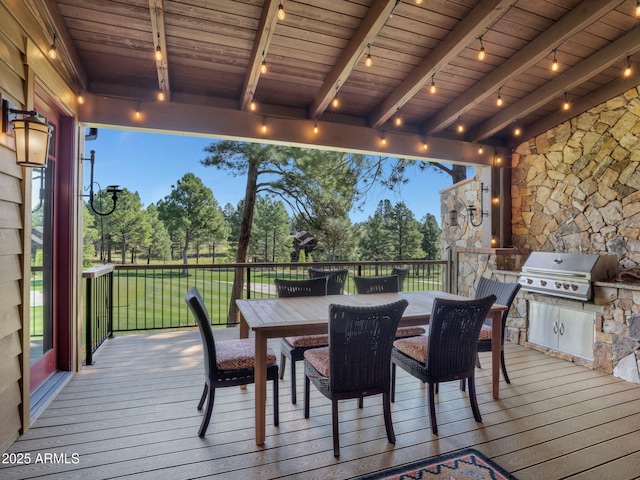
column 568, row 275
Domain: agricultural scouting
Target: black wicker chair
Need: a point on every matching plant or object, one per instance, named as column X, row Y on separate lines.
column 448, row 353
column 403, row 273
column 384, row 284
column 227, row 363
column 356, row 363
column 505, row 294
column 335, row 278
column 293, row 348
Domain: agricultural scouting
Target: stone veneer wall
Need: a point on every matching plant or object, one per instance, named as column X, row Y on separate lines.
column 576, row 189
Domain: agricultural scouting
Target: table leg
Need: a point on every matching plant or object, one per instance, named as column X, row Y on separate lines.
column 261, row 386
column 496, row 347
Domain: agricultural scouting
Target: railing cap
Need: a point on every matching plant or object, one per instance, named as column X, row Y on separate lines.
column 96, row 272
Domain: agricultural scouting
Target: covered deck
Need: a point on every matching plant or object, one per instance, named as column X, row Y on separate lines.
column 133, row 415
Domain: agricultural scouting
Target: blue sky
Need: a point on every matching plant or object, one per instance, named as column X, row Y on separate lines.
column 149, row 163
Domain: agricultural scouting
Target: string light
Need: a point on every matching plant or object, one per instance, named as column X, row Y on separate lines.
column 281, row 13
column 499, row 101
column 481, row 54
column 263, row 128
column 335, row 103
column 138, row 114
column 419, row 2
column 80, row 99
column 368, row 61
column 161, row 96
column 627, row 71
column 480, row 150
column 517, row 131
column 158, row 54
column 383, row 140
column 554, row 65
column 315, row 127
column 253, row 106
column 432, row 88
column 53, row 50
column 566, row 105
column 263, row 66
column 425, row 146
column 397, row 120
column 460, row 126
column 638, row 8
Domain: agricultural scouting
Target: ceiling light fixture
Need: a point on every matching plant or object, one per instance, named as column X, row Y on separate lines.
column 627, row 71
column 432, row 88
column 555, row 65
column 53, row 50
column 281, row 13
column 481, row 54
column 368, row 61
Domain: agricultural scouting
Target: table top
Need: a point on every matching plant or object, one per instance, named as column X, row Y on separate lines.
column 295, row 315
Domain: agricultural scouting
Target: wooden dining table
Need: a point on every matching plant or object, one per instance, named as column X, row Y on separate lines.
column 283, row 317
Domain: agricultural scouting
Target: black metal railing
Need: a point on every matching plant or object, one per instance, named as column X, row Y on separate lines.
column 128, row 298
column 98, row 302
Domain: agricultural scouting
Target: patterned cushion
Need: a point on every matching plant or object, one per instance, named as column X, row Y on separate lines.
column 319, row 340
column 485, row 333
column 402, row 332
column 414, row 347
column 319, row 358
column 235, row 354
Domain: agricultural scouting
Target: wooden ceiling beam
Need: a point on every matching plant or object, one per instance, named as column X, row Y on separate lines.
column 597, row 97
column 578, row 18
column 596, row 63
column 364, row 35
column 471, row 27
column 263, row 37
column 156, row 10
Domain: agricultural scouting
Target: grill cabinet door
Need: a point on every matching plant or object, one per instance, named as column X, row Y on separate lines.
column 543, row 325
column 576, row 332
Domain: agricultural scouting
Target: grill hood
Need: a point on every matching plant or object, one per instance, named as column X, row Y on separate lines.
column 568, row 275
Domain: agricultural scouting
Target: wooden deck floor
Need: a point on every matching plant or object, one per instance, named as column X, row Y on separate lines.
column 133, row 415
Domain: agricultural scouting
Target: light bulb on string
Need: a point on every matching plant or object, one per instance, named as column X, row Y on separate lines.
column 368, row 60
column 627, row 70
column 432, row 88
column 555, row 66
column 281, row 13
column 481, row 54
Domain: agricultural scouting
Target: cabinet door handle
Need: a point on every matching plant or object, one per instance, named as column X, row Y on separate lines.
column 562, row 328
column 555, row 327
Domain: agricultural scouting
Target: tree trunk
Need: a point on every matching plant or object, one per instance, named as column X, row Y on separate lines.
column 243, row 241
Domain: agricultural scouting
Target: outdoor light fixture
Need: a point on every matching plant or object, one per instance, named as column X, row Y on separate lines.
column 31, row 134
column 471, row 210
column 53, row 51
column 499, row 101
column 481, row 54
column 369, row 60
column 113, row 190
column 555, row 65
column 281, row 13
column 453, row 218
column 627, row 70
column 432, row 88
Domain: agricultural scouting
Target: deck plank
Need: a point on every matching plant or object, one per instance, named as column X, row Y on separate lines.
column 133, row 415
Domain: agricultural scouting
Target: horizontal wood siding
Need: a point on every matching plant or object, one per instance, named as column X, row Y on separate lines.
column 11, row 223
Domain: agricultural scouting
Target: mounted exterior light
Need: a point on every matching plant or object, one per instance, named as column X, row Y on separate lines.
column 113, row 190
column 31, row 135
column 452, row 218
column 471, row 210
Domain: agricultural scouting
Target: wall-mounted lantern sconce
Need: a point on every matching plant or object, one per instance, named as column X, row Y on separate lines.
column 471, row 210
column 31, row 135
column 111, row 189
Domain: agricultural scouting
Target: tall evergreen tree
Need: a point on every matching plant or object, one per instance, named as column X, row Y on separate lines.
column 431, row 234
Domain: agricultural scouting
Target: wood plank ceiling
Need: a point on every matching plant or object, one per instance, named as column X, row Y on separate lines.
column 213, row 50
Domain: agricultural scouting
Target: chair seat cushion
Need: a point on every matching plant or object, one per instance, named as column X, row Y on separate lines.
column 485, row 333
column 237, row 354
column 319, row 358
column 402, row 332
column 320, row 340
column 414, row 347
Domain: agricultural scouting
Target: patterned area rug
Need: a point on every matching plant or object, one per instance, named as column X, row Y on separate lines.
column 461, row 465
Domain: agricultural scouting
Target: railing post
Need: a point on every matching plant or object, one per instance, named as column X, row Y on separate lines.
column 89, row 322
column 110, row 306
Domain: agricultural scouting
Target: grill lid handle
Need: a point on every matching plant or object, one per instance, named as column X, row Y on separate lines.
column 557, row 261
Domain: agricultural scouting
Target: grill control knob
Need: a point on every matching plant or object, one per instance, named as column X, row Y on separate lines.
column 529, row 281
column 565, row 286
column 558, row 285
column 574, row 287
column 543, row 283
